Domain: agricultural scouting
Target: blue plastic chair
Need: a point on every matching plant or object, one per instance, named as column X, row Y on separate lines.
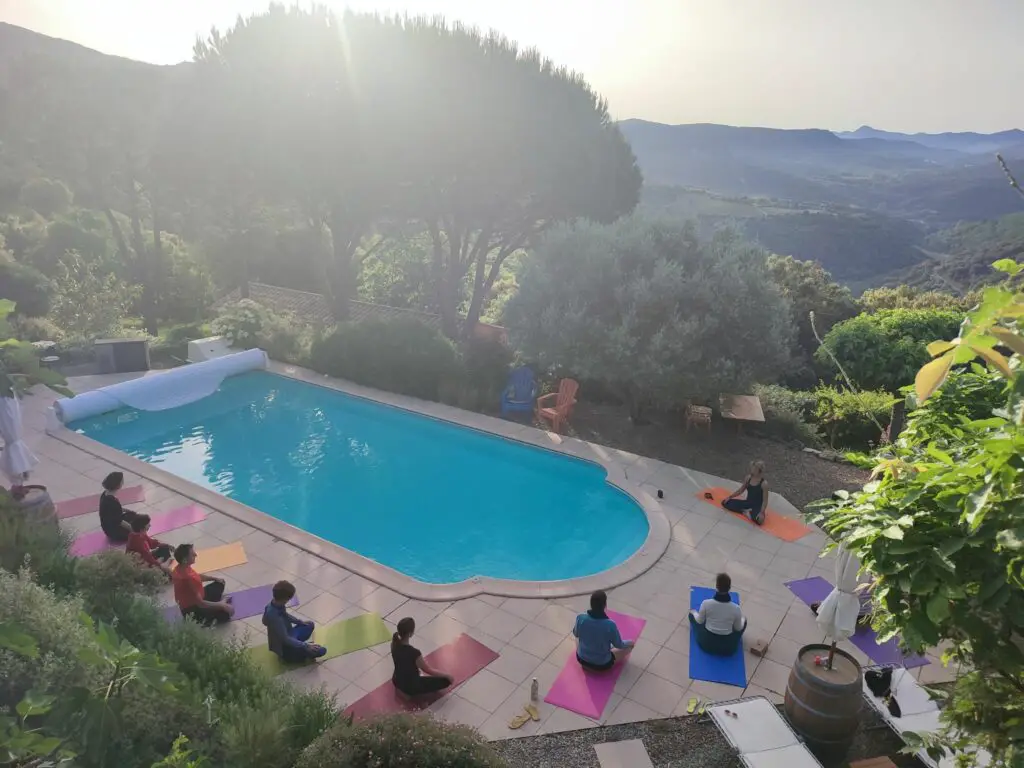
column 520, row 392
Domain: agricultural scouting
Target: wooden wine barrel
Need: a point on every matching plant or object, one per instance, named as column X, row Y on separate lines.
column 823, row 705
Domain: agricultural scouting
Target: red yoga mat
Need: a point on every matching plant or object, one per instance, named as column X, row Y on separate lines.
column 86, row 504
column 462, row 658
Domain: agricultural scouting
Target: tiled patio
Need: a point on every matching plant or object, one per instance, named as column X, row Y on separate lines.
column 532, row 635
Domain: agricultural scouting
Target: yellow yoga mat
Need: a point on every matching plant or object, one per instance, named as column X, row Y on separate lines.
column 339, row 638
column 219, row 558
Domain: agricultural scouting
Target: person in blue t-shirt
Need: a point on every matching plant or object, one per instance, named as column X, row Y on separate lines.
column 599, row 645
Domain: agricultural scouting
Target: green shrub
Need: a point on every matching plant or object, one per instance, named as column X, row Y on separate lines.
column 485, row 367
column 246, row 324
column 788, row 413
column 404, row 741
column 107, row 579
column 58, row 633
column 403, row 356
column 849, row 418
column 25, row 286
column 884, row 350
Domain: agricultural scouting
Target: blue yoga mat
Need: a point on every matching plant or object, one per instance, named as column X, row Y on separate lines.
column 731, row 670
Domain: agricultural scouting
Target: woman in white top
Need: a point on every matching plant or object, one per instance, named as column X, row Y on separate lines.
column 719, row 624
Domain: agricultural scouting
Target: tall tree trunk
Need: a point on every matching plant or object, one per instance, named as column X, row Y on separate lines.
column 341, row 274
column 144, row 263
column 156, row 267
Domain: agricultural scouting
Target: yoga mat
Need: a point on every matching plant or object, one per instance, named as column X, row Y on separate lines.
column 731, row 670
column 584, row 692
column 338, row 638
column 780, row 526
column 247, row 602
column 462, row 658
column 86, row 504
column 219, row 558
column 97, row 541
column 816, row 589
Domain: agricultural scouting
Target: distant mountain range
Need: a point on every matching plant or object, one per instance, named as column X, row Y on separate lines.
column 968, row 143
column 935, row 180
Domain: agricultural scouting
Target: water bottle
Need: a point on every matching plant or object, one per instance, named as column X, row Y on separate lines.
column 534, row 691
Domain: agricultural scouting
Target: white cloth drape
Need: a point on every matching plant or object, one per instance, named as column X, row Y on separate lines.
column 16, row 459
column 837, row 614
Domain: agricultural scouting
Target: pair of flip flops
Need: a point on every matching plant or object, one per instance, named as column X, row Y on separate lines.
column 529, row 713
column 697, row 707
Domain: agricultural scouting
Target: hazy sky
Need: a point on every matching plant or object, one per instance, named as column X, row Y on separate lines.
column 907, row 65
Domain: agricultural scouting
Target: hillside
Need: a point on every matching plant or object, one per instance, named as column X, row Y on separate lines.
column 961, row 257
column 934, row 183
column 859, row 247
column 968, row 142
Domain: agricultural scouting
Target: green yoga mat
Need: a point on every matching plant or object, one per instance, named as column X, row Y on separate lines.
column 339, row 638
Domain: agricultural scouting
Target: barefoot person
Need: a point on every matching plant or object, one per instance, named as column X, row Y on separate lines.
column 206, row 605
column 288, row 636
column 598, row 642
column 153, row 553
column 719, row 624
column 413, row 676
column 115, row 520
column 756, row 501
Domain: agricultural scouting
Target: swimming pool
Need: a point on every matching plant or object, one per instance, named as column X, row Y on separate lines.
column 436, row 501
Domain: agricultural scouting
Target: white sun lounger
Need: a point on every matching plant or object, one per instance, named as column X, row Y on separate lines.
column 760, row 734
column 919, row 713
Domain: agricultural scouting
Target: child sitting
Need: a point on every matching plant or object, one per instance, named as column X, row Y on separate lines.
column 288, row 636
column 153, row 553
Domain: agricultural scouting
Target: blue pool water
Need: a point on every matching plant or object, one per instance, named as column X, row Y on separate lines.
column 438, row 502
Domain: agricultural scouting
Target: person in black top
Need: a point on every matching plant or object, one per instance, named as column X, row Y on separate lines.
column 115, row 520
column 756, row 502
column 409, row 663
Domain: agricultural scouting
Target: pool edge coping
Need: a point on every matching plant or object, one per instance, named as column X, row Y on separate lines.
column 645, row 557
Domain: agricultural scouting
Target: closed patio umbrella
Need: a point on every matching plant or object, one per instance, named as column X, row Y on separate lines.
column 837, row 614
column 16, row 460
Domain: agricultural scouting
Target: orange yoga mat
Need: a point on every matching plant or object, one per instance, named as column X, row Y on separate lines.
column 219, row 558
column 780, row 526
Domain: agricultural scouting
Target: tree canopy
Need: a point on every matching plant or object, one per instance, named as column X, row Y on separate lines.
column 444, row 130
column 884, row 350
column 651, row 310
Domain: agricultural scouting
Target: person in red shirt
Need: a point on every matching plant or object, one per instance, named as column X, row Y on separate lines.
column 152, row 552
column 207, row 605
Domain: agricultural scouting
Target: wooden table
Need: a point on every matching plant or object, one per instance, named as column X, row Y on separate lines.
column 741, row 408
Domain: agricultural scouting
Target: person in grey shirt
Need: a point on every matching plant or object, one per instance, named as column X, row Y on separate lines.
column 719, row 624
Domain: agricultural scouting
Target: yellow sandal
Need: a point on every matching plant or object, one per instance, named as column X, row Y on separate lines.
column 519, row 721
column 531, row 710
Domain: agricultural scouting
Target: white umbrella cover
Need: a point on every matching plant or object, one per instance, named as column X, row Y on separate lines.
column 16, row 460
column 837, row 614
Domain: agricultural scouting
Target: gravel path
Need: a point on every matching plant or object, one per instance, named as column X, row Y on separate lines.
column 679, row 742
column 799, row 476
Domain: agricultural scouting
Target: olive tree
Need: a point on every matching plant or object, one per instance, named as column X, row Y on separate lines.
column 651, row 311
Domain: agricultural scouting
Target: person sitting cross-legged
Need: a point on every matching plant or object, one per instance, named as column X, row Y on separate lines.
column 153, row 553
column 719, row 624
column 599, row 645
column 207, row 605
column 288, row 636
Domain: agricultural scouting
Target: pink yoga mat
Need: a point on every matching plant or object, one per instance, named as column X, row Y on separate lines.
column 87, row 504
column 97, row 541
column 586, row 693
column 462, row 658
column 247, row 602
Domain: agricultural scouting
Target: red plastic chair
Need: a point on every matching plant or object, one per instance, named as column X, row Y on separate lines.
column 556, row 407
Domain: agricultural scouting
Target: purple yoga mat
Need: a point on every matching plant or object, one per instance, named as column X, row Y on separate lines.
column 247, row 602
column 97, row 541
column 586, row 693
column 816, row 589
